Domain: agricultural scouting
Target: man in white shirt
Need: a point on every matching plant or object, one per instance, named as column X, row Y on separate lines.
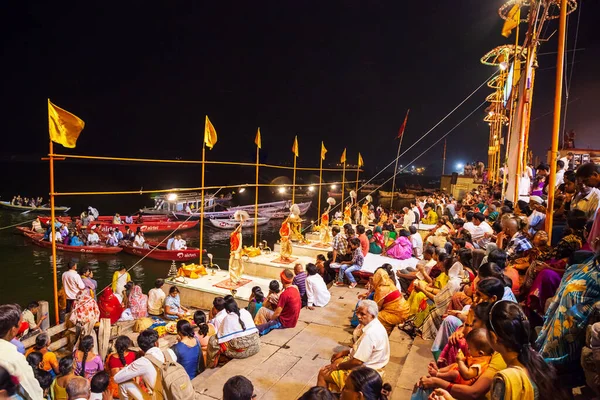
column 372, row 349
column 481, row 227
column 99, row 387
column 469, row 225
column 72, row 284
column 560, row 174
column 417, row 242
column 316, row 289
column 93, row 238
column 78, row 388
column 142, row 367
column 156, row 298
column 586, row 200
column 409, row 218
column 566, row 161
column 93, row 212
column 219, row 312
column 179, row 243
column 11, row 360
column 139, row 240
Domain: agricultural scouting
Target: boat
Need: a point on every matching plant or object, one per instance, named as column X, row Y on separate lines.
column 383, row 193
column 36, row 238
column 207, row 215
column 42, row 209
column 145, row 218
column 27, row 232
column 177, row 202
column 275, row 204
column 146, row 227
column 63, row 220
column 273, row 214
column 161, row 253
column 232, row 224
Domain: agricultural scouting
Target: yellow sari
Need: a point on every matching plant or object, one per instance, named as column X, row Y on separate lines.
column 393, row 309
column 513, row 383
column 416, row 297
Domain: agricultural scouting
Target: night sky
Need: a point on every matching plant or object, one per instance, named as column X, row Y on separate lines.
column 143, row 75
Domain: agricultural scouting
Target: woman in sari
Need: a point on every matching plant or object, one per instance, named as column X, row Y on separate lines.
column 85, row 312
column 138, row 302
column 393, row 309
column 237, row 336
column 376, row 241
column 120, row 279
column 109, row 306
column 563, row 333
column 401, row 248
column 438, row 304
column 427, row 288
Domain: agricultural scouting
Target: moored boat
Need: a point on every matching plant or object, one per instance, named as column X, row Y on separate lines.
column 178, row 202
column 232, row 224
column 161, row 253
column 36, row 238
column 383, row 193
column 272, row 205
column 282, row 213
column 146, row 227
column 42, row 209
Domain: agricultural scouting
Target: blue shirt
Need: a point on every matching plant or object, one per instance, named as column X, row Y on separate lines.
column 188, row 357
column 75, row 241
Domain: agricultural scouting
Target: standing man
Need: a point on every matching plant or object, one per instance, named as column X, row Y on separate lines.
column 339, row 245
column 72, row 283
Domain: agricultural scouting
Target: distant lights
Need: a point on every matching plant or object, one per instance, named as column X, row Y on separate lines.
column 242, row 190
column 311, row 189
column 503, row 66
column 172, row 197
column 333, row 187
column 281, row 190
column 459, row 165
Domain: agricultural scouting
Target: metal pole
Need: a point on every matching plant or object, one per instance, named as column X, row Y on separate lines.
column 53, row 234
column 560, row 58
column 320, row 187
column 202, row 201
column 395, row 172
column 444, row 159
column 256, row 199
column 343, row 182
column 294, row 182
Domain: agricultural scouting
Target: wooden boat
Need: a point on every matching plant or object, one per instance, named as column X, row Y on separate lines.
column 62, row 220
column 28, row 232
column 383, row 193
column 231, row 224
column 304, row 207
column 272, row 205
column 36, row 238
column 161, row 253
column 207, row 215
column 146, row 227
column 12, row 207
column 167, row 204
column 145, row 218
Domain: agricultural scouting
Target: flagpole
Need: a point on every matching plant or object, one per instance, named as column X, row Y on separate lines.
column 294, row 182
column 357, row 176
column 343, row 182
column 256, row 197
column 202, row 200
column 320, row 185
column 444, row 159
column 395, row 172
column 53, row 234
column 560, row 58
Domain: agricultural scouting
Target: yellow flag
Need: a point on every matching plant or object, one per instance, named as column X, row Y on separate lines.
column 63, row 126
column 343, row 158
column 360, row 161
column 295, row 146
column 323, row 151
column 257, row 140
column 210, row 134
column 512, row 20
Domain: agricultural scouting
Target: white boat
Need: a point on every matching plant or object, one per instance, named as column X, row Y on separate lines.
column 232, row 224
column 282, row 213
column 41, row 209
column 171, row 203
column 273, row 205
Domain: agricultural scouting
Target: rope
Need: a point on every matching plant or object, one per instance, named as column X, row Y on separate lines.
column 20, row 223
column 152, row 160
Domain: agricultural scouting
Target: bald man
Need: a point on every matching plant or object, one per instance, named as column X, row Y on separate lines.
column 78, row 388
column 518, row 244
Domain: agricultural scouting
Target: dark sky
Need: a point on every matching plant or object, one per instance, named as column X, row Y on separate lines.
column 143, row 75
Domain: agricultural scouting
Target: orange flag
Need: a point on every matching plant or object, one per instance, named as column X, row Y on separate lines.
column 257, row 140
column 64, row 127
column 343, row 158
column 403, row 127
column 360, row 161
column 295, row 146
column 210, row 134
column 323, row 151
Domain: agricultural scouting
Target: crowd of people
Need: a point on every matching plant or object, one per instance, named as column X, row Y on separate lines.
column 26, row 201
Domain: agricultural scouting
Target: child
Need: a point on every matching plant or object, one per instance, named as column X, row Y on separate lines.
column 264, row 314
column 320, row 264
column 348, row 267
column 255, row 302
column 300, row 281
column 467, row 371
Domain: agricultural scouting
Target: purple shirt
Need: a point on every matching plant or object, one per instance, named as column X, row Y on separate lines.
column 300, row 281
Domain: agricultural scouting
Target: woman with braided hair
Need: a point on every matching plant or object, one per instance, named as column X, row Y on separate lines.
column 237, row 336
column 188, row 349
column 118, row 360
column 87, row 363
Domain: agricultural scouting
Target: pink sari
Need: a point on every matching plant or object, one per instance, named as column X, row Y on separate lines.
column 401, row 250
column 138, row 303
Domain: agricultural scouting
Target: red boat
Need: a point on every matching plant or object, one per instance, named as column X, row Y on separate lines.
column 36, row 239
column 145, row 218
column 162, row 254
column 147, row 227
column 46, row 220
column 28, row 232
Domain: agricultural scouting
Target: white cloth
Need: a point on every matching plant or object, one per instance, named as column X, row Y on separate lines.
column 470, row 226
column 72, row 283
column 156, row 300
column 28, row 317
column 373, row 346
column 230, row 327
column 566, row 161
column 560, row 178
column 142, row 367
column 588, row 204
column 417, row 244
column 409, row 219
column 16, row 364
column 95, row 396
column 179, row 244
column 316, row 291
column 138, row 241
column 428, row 266
column 170, row 243
column 93, row 238
column 218, row 319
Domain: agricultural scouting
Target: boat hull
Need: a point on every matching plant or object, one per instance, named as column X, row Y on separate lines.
column 8, row 206
column 36, row 239
column 231, row 224
column 147, row 227
column 163, row 255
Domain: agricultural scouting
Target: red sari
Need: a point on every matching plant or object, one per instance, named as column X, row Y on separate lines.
column 110, row 306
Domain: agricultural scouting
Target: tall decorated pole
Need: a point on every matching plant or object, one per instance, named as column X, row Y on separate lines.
column 210, row 139
column 560, row 58
column 64, row 128
column 400, row 136
column 343, row 162
column 360, row 163
column 258, row 143
column 323, row 152
column 296, row 153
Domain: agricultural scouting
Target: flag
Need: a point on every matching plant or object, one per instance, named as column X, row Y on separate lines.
column 323, row 151
column 295, row 147
column 64, row 127
column 210, row 134
column 360, row 161
column 512, row 20
column 343, row 158
column 403, row 127
column 257, row 140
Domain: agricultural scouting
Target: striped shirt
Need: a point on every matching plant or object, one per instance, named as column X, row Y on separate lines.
column 300, row 281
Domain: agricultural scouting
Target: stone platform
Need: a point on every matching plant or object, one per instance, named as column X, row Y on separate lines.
column 309, row 249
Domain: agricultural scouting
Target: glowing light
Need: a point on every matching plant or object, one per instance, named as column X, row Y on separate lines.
column 311, row 188
column 281, row 190
column 172, row 197
column 242, row 190
column 459, row 165
column 491, row 113
column 333, row 187
column 503, row 66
